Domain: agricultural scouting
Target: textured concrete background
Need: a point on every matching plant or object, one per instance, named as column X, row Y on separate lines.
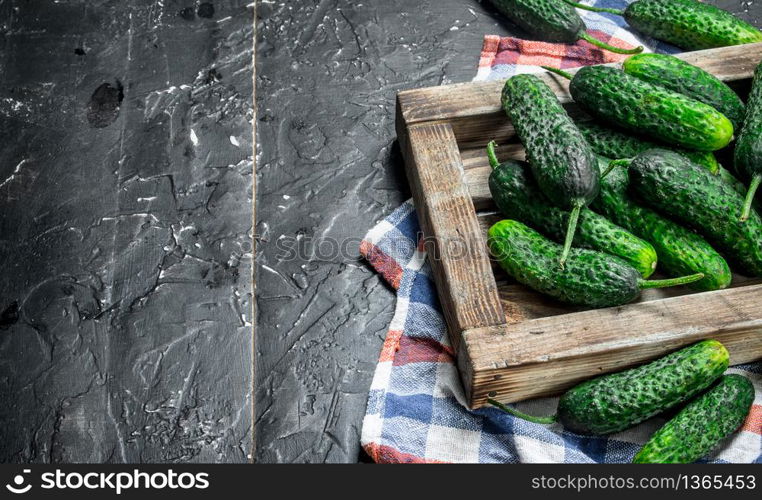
column 328, row 170
column 125, row 231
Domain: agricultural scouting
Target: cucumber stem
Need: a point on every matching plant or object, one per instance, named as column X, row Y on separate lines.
column 755, row 181
column 492, row 155
column 615, row 163
column 595, row 9
column 571, row 228
column 682, row 280
column 588, row 38
column 516, row 413
column 558, row 72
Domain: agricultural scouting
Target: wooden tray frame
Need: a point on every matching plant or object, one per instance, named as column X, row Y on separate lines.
column 512, row 344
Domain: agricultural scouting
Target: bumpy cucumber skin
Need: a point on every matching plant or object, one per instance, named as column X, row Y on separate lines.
column 748, row 153
column 687, row 79
column 516, row 195
column 612, row 143
column 626, row 101
column 615, row 402
column 589, row 278
column 701, row 425
column 680, row 251
column 553, row 21
column 689, row 25
column 732, row 181
column 562, row 162
column 692, row 196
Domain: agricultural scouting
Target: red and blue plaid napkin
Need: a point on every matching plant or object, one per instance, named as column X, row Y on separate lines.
column 503, row 57
column 416, row 409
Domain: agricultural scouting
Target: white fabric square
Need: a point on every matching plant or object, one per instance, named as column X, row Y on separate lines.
column 450, row 444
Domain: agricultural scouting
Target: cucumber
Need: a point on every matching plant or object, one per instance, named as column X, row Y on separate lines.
column 562, row 162
column 680, row 251
column 552, row 21
column 748, row 153
column 738, row 187
column 689, row 194
column 688, row 24
column 618, row 401
column 613, row 143
column 517, row 196
column 687, row 79
column 626, row 101
column 590, row 278
column 702, row 425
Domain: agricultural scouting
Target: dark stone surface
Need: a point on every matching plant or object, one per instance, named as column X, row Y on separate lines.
column 328, row 170
column 125, row 231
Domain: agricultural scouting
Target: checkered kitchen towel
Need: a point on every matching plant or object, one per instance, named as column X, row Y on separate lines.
column 416, row 409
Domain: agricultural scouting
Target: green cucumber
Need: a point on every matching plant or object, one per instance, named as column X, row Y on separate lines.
column 517, row 196
column 702, row 425
column 748, row 153
column 562, row 162
column 589, row 278
column 689, row 194
column 623, row 100
column 687, row 79
column 688, row 24
column 552, row 21
column 615, row 402
column 612, row 143
column 680, row 251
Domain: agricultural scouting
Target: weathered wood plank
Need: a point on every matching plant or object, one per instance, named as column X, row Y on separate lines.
column 545, row 356
column 455, row 245
column 454, row 102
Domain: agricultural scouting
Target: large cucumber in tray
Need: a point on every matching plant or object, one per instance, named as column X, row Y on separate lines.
column 688, row 194
column 680, row 251
column 748, row 153
column 552, row 21
column 623, row 100
column 564, row 166
column 612, row 143
column 703, row 424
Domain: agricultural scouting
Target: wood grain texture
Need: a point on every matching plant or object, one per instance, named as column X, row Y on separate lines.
column 545, row 356
column 455, row 245
column 451, row 102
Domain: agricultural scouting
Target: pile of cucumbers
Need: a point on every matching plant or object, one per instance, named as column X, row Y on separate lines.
column 714, row 405
column 635, row 187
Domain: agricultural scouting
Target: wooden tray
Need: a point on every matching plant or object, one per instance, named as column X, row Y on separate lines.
column 512, row 343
